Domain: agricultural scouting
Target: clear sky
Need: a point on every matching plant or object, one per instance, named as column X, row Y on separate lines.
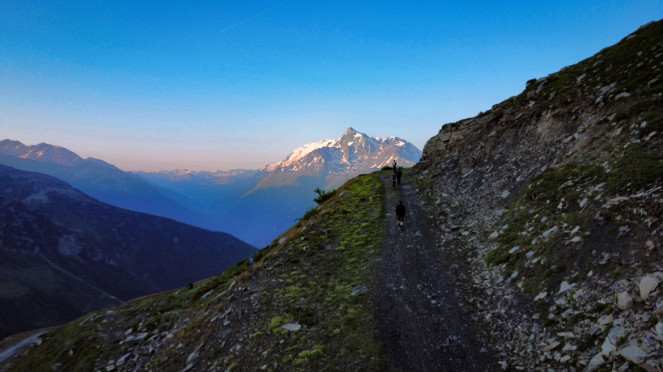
column 208, row 85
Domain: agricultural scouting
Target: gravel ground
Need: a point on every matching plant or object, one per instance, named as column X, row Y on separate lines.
column 421, row 321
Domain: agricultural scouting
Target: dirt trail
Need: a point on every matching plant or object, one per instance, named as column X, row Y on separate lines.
column 420, row 322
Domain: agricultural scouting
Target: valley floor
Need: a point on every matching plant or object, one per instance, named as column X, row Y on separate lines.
column 422, row 322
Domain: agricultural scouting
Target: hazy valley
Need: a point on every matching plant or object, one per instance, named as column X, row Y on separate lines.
column 253, row 205
column 65, row 254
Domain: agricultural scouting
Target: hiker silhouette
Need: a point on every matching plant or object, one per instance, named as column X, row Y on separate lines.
column 400, row 213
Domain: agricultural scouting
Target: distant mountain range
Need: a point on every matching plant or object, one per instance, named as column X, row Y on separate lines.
column 254, row 205
column 64, row 254
column 257, row 206
column 98, row 179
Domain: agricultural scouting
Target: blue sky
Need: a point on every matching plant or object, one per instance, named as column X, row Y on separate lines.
column 210, row 85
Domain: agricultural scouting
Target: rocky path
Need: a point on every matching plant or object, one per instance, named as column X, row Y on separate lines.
column 420, row 322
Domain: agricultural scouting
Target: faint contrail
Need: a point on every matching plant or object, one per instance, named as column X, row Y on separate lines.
column 249, row 19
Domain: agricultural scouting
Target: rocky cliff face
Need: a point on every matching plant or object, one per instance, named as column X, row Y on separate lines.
column 554, row 199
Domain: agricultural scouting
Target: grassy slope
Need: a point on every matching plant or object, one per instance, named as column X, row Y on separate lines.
column 307, row 277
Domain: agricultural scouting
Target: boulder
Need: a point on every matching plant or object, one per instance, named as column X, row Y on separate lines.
column 647, row 285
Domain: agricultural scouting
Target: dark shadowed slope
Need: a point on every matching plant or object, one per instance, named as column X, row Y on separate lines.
column 65, row 254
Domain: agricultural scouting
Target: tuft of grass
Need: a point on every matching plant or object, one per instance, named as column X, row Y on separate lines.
column 635, row 169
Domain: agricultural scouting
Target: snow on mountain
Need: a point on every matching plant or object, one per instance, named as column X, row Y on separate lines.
column 299, row 154
column 219, row 177
column 338, row 160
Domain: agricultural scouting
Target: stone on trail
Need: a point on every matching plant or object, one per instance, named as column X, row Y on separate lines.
column 551, row 346
column 358, row 290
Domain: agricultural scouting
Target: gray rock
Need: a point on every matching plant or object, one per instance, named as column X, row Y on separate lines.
column 624, row 300
column 193, row 356
column 659, row 329
column 292, row 327
column 136, row 337
column 123, row 359
column 358, row 290
column 577, row 296
column 565, row 286
column 647, row 285
column 616, row 332
column 605, row 319
column 594, row 330
column 551, row 346
column 548, row 233
column 596, row 362
column 607, row 347
column 624, row 230
column 541, row 296
column 633, row 353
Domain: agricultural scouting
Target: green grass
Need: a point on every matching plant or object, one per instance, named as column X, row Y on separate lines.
column 308, row 279
column 634, row 170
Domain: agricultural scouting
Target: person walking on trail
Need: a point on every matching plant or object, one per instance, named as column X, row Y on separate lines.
column 399, row 174
column 400, row 213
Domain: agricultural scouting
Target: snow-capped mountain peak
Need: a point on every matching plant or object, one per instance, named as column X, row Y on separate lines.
column 301, row 153
column 336, row 161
